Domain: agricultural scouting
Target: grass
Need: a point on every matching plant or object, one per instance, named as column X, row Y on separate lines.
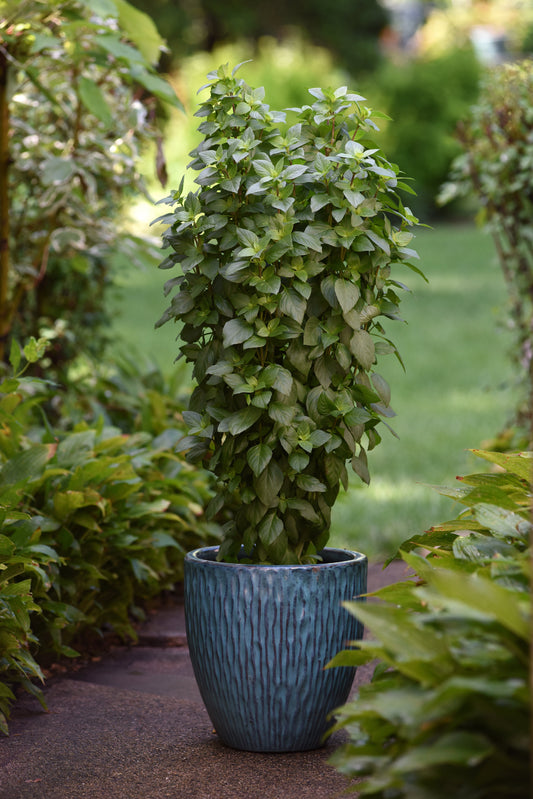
column 453, row 395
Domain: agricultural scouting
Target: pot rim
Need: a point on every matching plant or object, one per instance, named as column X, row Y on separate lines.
column 348, row 558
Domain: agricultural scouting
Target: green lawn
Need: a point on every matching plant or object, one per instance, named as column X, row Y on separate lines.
column 453, row 395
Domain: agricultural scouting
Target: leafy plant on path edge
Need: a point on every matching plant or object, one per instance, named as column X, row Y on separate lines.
column 95, row 519
column 447, row 712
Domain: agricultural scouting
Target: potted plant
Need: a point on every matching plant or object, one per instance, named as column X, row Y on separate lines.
column 286, row 254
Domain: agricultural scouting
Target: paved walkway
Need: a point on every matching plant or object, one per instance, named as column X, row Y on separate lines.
column 133, row 726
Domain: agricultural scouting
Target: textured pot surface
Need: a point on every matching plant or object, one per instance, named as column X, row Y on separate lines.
column 259, row 638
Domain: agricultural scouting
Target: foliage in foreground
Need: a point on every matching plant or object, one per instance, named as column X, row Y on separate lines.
column 94, row 519
column 496, row 168
column 291, row 254
column 448, row 710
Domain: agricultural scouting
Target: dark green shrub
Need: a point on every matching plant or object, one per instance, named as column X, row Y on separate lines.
column 290, row 256
column 496, row 168
column 448, row 710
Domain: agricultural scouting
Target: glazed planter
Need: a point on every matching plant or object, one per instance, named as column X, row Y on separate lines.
column 259, row 639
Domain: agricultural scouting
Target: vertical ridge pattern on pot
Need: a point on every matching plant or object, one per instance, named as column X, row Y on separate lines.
column 259, row 639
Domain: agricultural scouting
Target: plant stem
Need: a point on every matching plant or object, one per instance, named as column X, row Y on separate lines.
column 5, row 315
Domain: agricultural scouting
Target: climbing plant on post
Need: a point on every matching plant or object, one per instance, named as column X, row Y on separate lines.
column 496, row 167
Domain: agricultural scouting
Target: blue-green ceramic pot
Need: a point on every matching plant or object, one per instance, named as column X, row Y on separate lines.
column 259, row 638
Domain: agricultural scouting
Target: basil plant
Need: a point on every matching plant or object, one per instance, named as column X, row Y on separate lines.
column 285, row 260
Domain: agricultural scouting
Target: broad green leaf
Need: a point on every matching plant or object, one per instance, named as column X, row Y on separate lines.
column 318, row 201
column 6, row 546
column 310, row 484
column 397, row 631
column 379, row 241
column 501, row 521
column 360, row 466
column 236, row 331
column 258, row 458
column 75, row 449
column 304, row 508
column 116, row 47
column 15, row 355
column 298, row 460
column 68, row 502
column 362, row 346
column 382, row 388
column 269, row 483
column 26, row 466
column 335, row 470
column 278, row 377
column 483, row 596
column 141, row 30
column 309, row 240
column 355, row 198
column 94, row 101
column 347, row 294
column 283, row 414
column 239, row 421
column 292, row 304
column 517, row 463
column 270, row 528
column 57, row 170
column 453, row 749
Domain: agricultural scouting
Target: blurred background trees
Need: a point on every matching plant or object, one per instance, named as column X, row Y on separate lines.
column 350, row 29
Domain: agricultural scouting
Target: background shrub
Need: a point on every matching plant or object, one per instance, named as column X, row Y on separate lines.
column 496, row 168
column 79, row 107
column 426, row 97
column 350, row 29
